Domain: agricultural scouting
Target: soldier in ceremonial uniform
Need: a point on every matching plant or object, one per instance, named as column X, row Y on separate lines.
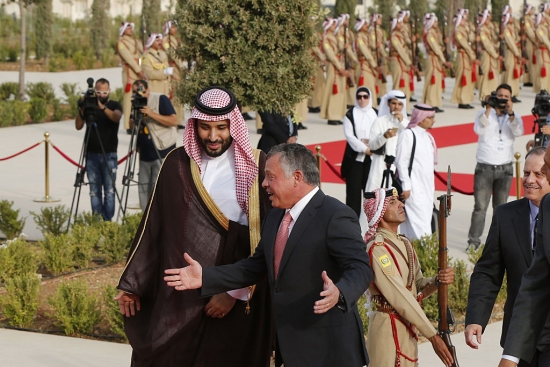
column 171, row 44
column 345, row 39
column 463, row 92
column 409, row 38
column 155, row 65
column 435, row 72
column 318, row 88
column 129, row 49
column 398, row 287
column 529, row 45
column 400, row 61
column 377, row 44
column 489, row 57
column 333, row 107
column 542, row 54
column 512, row 57
column 368, row 70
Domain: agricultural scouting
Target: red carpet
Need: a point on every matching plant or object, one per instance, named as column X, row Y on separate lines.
column 447, row 136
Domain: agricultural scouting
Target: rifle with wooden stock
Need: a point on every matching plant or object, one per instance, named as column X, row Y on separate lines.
column 502, row 48
column 446, row 318
column 478, row 46
column 143, row 31
column 446, row 52
column 382, row 74
column 349, row 79
column 414, row 50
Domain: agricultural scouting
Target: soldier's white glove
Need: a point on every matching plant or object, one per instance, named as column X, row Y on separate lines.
column 169, row 70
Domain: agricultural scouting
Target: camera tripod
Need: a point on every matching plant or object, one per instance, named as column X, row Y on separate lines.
column 130, row 165
column 79, row 180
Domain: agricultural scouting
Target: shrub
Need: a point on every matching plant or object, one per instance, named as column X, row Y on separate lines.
column 13, row 113
column 79, row 59
column 57, row 254
column 83, row 240
column 17, row 259
column 75, row 309
column 130, row 224
column 115, row 242
column 112, row 312
column 58, row 110
column 108, row 58
column 10, row 224
column 73, row 105
column 52, row 220
column 12, row 54
column 473, row 257
column 41, row 90
column 117, row 95
column 88, row 219
column 70, row 89
column 38, row 109
column 21, row 302
column 7, row 89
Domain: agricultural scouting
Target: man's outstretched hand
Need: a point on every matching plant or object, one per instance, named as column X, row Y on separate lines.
column 189, row 277
column 330, row 295
column 128, row 303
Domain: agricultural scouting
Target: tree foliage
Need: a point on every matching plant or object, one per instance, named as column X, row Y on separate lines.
column 387, row 9
column 418, row 8
column 346, row 7
column 257, row 48
column 100, row 23
column 43, row 29
column 151, row 13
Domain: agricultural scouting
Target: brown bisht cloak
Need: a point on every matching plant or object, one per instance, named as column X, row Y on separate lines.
column 172, row 329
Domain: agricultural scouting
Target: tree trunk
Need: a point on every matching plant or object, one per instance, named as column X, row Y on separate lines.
column 22, row 53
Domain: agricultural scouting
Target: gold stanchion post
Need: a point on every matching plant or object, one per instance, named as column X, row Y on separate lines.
column 47, row 198
column 517, row 156
column 318, row 156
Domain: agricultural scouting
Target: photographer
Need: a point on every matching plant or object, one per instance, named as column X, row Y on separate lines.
column 101, row 147
column 156, row 136
column 497, row 127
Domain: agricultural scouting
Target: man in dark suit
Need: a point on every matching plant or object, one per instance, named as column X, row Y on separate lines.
column 509, row 248
column 313, row 255
column 277, row 129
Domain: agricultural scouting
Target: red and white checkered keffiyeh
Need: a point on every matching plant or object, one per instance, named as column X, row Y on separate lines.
column 246, row 168
column 375, row 209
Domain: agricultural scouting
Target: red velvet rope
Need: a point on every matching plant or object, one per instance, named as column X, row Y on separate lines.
column 21, row 152
column 332, row 167
column 454, row 188
column 76, row 164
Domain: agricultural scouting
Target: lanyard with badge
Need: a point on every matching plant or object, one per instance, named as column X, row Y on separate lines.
column 500, row 144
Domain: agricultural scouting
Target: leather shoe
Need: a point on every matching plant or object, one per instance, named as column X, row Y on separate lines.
column 438, row 110
column 333, row 122
column 314, row 109
column 412, row 99
column 527, row 84
column 465, row 106
column 301, row 126
column 515, row 100
column 260, row 131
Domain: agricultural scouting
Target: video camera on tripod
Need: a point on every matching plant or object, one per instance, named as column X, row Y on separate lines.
column 540, row 110
column 89, row 103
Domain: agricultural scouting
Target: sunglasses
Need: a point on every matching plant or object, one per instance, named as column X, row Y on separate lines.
column 363, row 96
column 101, row 93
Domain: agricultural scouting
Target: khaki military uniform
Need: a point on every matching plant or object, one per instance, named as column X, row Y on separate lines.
column 433, row 82
column 466, row 75
column 530, row 45
column 400, row 64
column 380, row 36
column 512, row 57
column 392, row 338
column 366, row 73
column 543, row 58
column 334, row 98
column 352, row 61
column 489, row 63
column 171, row 44
column 406, row 30
column 129, row 50
column 318, row 87
column 154, row 63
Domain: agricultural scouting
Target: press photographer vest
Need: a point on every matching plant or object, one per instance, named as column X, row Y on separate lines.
column 163, row 136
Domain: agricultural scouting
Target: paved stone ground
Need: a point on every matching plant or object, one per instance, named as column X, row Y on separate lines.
column 22, row 180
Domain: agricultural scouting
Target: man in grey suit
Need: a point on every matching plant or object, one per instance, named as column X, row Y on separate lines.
column 508, row 249
column 531, row 309
column 315, row 259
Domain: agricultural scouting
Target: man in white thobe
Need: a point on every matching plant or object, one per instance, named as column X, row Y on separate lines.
column 383, row 136
column 415, row 161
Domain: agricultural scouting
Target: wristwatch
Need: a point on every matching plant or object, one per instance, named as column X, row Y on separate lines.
column 512, row 114
column 104, row 108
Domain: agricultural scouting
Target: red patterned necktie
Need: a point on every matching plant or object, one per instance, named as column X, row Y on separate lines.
column 280, row 242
